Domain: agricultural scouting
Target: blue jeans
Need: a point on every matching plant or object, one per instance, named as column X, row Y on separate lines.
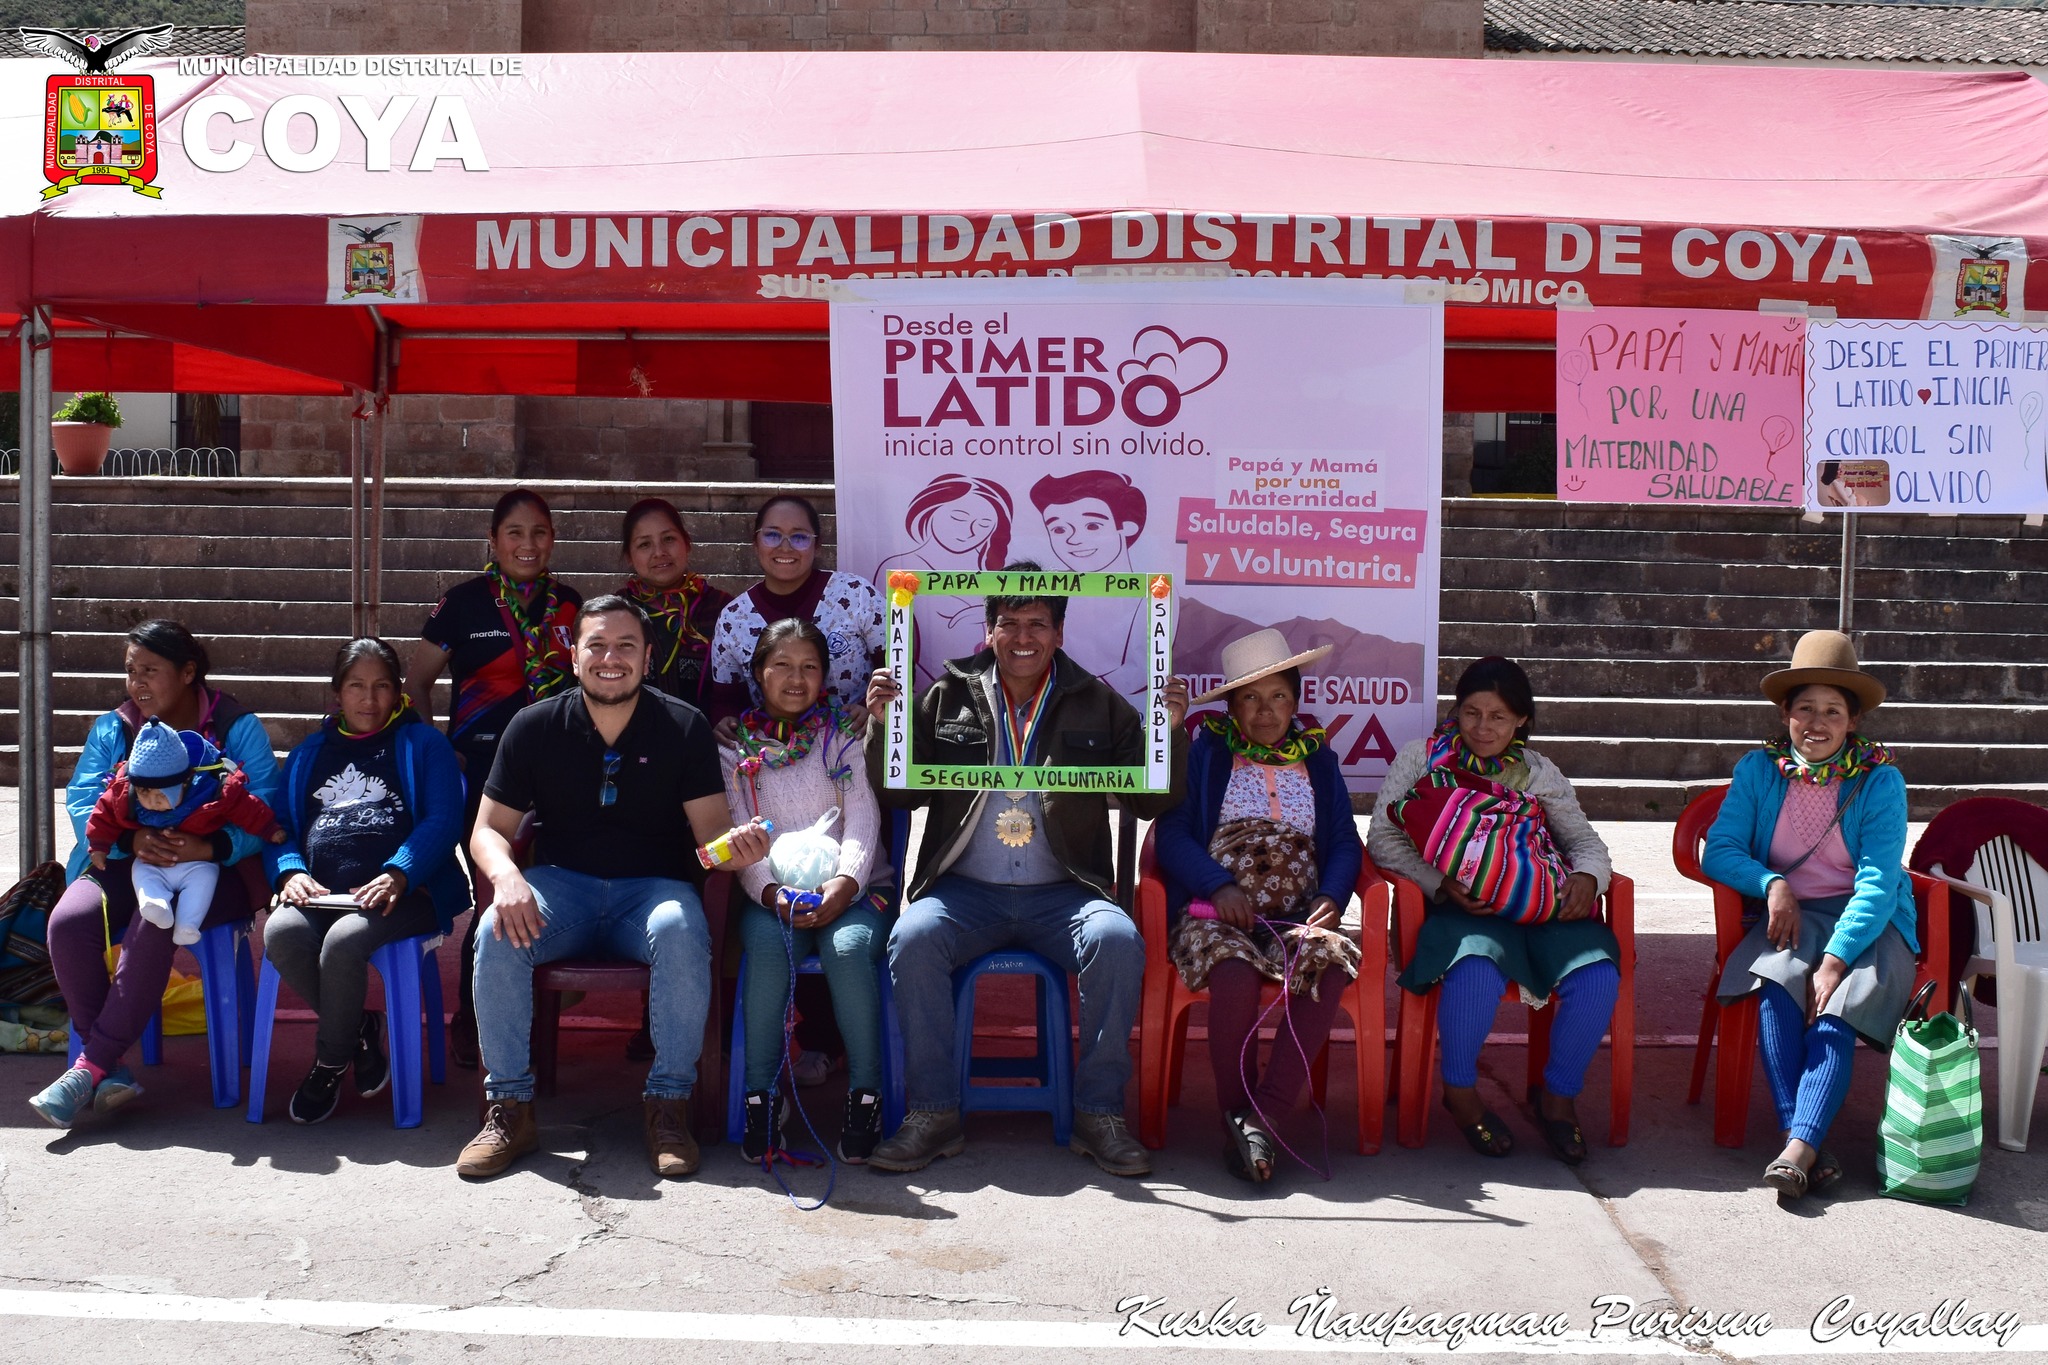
column 642, row 919
column 963, row 919
column 848, row 949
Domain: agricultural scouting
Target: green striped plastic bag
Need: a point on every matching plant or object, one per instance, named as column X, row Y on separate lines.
column 1931, row 1139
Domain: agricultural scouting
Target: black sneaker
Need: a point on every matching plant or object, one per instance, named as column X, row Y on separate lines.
column 317, row 1095
column 373, row 1068
column 765, row 1115
column 861, row 1129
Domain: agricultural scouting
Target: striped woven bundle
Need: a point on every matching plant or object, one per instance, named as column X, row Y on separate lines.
column 1931, row 1139
column 1490, row 839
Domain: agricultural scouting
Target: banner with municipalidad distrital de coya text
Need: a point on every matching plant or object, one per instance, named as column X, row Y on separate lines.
column 1273, row 445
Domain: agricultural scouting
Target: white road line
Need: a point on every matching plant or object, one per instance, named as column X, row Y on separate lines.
column 646, row 1325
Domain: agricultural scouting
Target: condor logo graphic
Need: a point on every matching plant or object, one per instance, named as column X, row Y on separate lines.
column 99, row 128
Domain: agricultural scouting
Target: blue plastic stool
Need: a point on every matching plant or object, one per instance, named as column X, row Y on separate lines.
column 1053, row 1065
column 411, row 973
column 227, row 977
column 892, row 1052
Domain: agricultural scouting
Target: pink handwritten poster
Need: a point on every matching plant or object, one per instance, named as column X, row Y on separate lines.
column 1680, row 405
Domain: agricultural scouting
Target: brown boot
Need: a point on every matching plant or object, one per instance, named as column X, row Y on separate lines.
column 670, row 1148
column 509, row 1133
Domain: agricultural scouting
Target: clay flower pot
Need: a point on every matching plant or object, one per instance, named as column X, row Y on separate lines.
column 81, row 446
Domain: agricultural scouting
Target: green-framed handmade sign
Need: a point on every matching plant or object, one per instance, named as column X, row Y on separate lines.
column 906, row 772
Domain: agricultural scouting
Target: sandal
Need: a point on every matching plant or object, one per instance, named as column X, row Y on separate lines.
column 1250, row 1154
column 1787, row 1178
column 1567, row 1142
column 1488, row 1137
column 1826, row 1173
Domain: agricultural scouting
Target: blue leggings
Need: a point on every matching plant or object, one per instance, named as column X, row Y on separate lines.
column 1471, row 996
column 848, row 949
column 1808, row 1067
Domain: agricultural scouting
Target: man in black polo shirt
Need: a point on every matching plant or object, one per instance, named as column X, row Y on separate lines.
column 610, row 769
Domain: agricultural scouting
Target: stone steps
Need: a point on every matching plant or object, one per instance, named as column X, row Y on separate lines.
column 1645, row 630
column 1620, row 607
column 1736, row 579
column 1993, row 684
column 1625, row 642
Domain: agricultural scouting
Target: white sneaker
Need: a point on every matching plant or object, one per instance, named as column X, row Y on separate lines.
column 154, row 912
column 185, row 935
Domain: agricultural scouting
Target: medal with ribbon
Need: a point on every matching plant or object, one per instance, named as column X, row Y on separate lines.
column 1019, row 733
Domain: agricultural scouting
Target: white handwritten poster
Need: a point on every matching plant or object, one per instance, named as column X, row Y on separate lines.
column 1936, row 417
column 1274, row 445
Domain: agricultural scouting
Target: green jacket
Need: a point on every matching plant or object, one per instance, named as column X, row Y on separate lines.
column 1089, row 726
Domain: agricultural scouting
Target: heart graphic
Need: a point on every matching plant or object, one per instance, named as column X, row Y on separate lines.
column 1926, row 394
column 1190, row 365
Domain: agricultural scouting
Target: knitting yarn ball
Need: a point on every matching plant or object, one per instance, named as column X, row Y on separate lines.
column 803, row 860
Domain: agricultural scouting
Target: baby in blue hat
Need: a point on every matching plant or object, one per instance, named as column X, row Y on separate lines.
column 175, row 779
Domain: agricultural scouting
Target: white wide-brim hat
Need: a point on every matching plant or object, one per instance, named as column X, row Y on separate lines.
column 1258, row 655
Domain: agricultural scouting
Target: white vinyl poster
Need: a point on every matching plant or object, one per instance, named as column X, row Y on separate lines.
column 1274, row 445
column 1935, row 417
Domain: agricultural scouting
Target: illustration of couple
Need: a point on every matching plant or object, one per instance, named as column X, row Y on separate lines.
column 1091, row 521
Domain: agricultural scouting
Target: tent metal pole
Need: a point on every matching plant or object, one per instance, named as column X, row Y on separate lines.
column 355, row 517
column 1845, row 616
column 376, row 577
column 37, row 829
column 377, row 411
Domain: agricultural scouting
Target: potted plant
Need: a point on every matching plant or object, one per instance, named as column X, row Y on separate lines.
column 82, row 430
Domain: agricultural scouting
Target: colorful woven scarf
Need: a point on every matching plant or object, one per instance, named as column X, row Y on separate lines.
column 671, row 608
column 547, row 672
column 1447, row 749
column 1299, row 744
column 1856, row 756
column 765, row 742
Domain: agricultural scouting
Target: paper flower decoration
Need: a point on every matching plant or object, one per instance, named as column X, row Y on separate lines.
column 1162, row 587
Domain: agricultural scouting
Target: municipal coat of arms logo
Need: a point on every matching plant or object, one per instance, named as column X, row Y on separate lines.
column 369, row 265
column 1981, row 286
column 99, row 128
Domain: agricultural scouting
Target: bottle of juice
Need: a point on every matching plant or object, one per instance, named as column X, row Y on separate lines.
column 718, row 852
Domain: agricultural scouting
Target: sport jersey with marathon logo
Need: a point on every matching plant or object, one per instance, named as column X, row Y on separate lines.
column 485, row 663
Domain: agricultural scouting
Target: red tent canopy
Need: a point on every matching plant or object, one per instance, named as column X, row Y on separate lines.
column 669, row 224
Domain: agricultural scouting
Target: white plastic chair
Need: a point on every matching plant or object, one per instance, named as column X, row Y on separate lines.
column 2011, row 895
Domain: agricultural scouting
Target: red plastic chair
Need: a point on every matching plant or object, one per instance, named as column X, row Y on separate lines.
column 1734, row 1027
column 1163, row 1013
column 707, row 1099
column 1415, row 1071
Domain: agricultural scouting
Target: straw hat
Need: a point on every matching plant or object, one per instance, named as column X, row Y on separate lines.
column 1825, row 656
column 1258, row 655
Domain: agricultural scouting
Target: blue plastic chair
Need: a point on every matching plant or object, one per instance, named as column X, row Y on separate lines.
column 227, row 977
column 1053, row 1064
column 892, row 1052
column 411, row 973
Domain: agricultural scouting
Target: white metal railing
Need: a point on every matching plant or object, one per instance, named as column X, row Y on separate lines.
column 192, row 462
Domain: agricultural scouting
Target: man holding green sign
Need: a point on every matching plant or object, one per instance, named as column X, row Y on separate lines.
column 1003, row 863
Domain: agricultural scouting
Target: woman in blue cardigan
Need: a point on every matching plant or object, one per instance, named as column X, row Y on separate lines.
column 1814, row 825
column 1259, row 863
column 371, row 805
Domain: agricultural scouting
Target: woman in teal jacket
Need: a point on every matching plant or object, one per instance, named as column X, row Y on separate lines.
column 372, row 806
column 1814, row 826
column 166, row 680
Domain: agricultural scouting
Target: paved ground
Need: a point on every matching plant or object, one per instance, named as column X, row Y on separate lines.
column 177, row 1232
